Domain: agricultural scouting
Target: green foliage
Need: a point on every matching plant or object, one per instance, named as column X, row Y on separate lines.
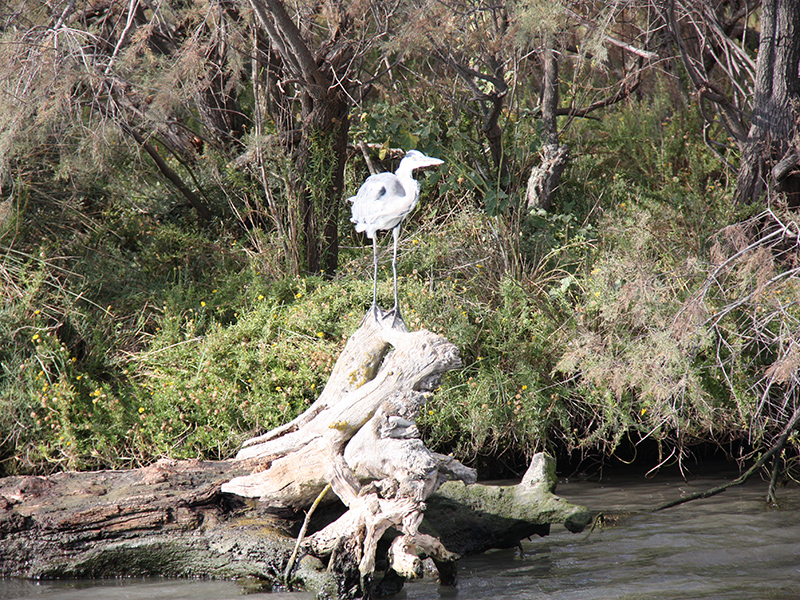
column 202, row 368
column 627, row 312
column 669, row 345
column 200, row 394
column 58, row 408
column 633, row 353
column 503, row 400
column 78, row 302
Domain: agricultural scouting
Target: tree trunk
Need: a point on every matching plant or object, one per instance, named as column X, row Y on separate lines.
column 771, row 140
column 323, row 128
column 544, row 178
column 321, row 159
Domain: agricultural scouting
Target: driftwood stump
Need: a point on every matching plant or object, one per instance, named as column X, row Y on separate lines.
column 361, row 438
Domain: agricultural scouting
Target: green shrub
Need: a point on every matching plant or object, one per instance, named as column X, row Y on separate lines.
column 205, row 392
column 625, row 313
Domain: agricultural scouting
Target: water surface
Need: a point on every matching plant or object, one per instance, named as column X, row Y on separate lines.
column 728, row 547
column 135, row 589
column 731, row 546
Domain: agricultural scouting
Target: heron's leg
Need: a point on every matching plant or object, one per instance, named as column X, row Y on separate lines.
column 396, row 236
column 374, row 271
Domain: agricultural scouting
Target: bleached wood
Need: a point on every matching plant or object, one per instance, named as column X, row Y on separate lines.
column 360, row 436
column 407, row 551
column 381, row 362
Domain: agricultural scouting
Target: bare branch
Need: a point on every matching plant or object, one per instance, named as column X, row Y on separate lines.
column 290, row 43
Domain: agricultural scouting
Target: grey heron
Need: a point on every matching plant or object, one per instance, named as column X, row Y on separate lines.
column 382, row 202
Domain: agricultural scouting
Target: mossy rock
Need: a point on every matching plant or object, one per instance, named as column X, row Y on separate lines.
column 475, row 518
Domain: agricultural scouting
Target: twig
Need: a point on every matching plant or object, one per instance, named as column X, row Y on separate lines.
column 134, row 6
column 773, row 480
column 776, row 449
column 290, row 565
column 362, row 145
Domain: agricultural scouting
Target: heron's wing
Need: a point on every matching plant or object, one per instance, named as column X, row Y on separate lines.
column 378, row 188
column 381, row 203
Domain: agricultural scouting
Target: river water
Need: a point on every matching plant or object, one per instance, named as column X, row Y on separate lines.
column 731, row 546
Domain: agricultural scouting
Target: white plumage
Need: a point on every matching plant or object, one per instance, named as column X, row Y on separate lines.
column 382, row 202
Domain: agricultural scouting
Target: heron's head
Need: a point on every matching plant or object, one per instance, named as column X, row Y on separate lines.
column 414, row 159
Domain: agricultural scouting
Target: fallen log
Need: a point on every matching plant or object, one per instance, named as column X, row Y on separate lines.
column 171, row 519
column 167, row 519
column 240, row 517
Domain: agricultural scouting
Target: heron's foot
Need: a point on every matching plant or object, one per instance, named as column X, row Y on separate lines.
column 377, row 313
column 397, row 318
column 382, row 316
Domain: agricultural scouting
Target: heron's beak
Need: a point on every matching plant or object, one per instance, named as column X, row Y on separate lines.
column 432, row 162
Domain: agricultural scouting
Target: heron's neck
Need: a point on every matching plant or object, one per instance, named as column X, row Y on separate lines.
column 406, row 176
column 404, row 172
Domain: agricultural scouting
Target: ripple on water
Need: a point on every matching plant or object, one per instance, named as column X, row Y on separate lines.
column 729, row 547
